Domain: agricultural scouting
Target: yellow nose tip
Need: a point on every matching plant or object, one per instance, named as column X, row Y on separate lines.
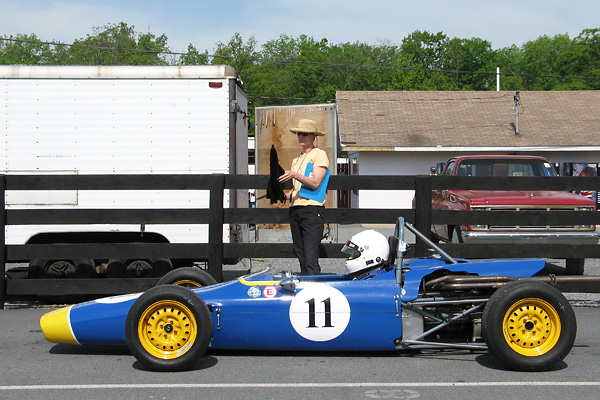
column 56, row 327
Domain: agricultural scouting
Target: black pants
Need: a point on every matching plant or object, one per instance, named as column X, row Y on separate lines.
column 306, row 224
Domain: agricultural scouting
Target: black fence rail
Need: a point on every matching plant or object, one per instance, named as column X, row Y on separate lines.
column 216, row 216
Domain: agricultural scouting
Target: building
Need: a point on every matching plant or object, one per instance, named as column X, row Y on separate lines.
column 407, row 133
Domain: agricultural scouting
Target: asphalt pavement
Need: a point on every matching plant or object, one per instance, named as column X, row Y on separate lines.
column 31, row 368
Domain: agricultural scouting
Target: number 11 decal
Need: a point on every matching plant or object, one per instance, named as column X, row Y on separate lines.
column 312, row 313
column 319, row 312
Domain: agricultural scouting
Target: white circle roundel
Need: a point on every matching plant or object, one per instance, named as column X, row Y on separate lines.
column 319, row 312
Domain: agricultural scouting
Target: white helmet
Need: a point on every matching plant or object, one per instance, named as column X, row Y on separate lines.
column 367, row 249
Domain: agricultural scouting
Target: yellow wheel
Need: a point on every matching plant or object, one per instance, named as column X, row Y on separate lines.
column 532, row 327
column 187, row 283
column 529, row 325
column 168, row 328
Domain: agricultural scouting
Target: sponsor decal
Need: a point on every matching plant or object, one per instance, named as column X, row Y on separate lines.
column 254, row 292
column 269, row 292
column 319, row 313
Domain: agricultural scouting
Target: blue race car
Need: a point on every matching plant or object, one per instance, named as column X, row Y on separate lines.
column 383, row 303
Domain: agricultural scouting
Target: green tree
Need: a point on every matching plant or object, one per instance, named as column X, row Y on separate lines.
column 118, row 44
column 510, row 61
column 587, row 57
column 25, row 50
column 241, row 56
column 272, row 83
column 544, row 60
column 193, row 57
column 420, row 62
column 473, row 61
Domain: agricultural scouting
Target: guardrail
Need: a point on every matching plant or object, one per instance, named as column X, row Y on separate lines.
column 215, row 251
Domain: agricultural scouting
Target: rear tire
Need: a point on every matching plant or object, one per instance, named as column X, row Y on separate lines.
column 187, row 277
column 168, row 328
column 529, row 325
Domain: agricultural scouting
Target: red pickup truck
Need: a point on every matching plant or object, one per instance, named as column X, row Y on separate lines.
column 509, row 200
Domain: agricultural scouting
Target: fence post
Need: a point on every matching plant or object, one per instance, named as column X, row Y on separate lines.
column 215, row 226
column 3, row 242
column 423, row 189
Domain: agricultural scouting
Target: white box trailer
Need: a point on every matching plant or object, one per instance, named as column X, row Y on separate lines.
column 120, row 120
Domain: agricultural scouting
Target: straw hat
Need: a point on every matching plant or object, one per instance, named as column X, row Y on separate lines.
column 307, row 125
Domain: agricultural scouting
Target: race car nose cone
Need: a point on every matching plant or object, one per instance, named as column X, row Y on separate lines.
column 56, row 327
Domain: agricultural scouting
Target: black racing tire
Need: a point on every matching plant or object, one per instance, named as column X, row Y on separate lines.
column 61, row 269
column 529, row 325
column 187, row 277
column 168, row 328
column 153, row 268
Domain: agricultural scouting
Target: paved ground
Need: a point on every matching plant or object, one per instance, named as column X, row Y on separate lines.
column 33, row 369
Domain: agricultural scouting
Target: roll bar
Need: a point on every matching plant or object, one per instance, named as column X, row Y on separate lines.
column 399, row 233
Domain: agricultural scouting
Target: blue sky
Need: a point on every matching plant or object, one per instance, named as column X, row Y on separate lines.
column 204, row 23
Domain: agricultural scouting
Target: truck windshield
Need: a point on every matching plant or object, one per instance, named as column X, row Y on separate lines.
column 504, row 167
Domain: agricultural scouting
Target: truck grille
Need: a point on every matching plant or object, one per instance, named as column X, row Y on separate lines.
column 549, row 228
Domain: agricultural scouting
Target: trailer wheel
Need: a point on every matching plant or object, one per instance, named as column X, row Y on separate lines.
column 529, row 325
column 61, row 269
column 138, row 268
column 187, row 277
column 168, row 328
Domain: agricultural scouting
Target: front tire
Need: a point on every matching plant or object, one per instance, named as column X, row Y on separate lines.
column 168, row 328
column 529, row 325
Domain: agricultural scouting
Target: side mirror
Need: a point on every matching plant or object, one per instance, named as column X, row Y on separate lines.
column 288, row 284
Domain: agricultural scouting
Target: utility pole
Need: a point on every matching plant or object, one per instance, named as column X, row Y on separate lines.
column 497, row 79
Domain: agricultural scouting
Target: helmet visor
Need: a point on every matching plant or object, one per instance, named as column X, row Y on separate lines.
column 351, row 249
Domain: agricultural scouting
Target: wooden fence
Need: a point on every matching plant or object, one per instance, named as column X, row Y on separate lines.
column 215, row 251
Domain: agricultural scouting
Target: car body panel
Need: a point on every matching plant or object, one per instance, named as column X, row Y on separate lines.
column 257, row 312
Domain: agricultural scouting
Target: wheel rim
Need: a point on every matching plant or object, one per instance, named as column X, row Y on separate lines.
column 531, row 327
column 187, row 283
column 167, row 329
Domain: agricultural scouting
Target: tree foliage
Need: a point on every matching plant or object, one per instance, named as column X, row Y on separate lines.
column 118, row 44
column 301, row 70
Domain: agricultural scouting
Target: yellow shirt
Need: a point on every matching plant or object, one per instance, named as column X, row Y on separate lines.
column 319, row 159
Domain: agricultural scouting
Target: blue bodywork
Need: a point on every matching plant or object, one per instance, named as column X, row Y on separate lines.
column 285, row 312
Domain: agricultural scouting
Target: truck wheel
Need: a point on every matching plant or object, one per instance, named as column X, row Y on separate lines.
column 456, row 235
column 575, row 266
column 529, row 325
column 187, row 277
column 62, row 269
column 138, row 268
column 168, row 328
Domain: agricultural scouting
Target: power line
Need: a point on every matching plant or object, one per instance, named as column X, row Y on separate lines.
column 295, row 62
